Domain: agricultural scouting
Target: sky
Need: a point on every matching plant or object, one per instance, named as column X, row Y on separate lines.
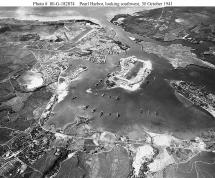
column 62, row 13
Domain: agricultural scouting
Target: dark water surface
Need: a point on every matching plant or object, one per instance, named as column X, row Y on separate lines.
column 154, row 106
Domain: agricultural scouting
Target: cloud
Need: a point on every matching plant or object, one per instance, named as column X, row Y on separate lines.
column 97, row 14
column 45, row 13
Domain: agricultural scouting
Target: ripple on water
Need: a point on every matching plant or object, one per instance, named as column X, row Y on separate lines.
column 153, row 106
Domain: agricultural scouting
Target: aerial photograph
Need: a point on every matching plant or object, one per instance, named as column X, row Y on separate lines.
column 107, row 92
